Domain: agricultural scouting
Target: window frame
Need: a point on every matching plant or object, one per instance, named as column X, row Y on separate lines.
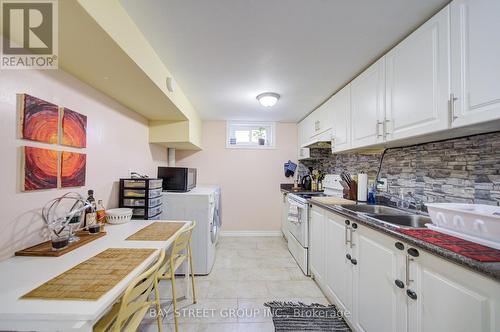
column 252, row 125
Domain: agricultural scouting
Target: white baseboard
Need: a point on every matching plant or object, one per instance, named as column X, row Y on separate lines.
column 250, row 233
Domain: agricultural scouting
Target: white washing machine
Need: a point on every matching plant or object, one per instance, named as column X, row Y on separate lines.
column 201, row 204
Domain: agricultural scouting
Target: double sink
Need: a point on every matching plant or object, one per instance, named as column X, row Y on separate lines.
column 389, row 215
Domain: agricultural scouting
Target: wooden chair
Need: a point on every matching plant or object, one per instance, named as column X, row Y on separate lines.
column 127, row 314
column 181, row 250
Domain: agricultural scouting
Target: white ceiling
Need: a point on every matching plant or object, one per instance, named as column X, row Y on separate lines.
column 223, row 53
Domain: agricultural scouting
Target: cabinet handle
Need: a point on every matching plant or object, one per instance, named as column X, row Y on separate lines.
column 354, row 261
column 347, row 222
column 348, row 256
column 453, row 99
column 407, row 270
column 413, row 252
column 354, row 225
column 378, row 129
column 399, row 283
column 347, row 240
column 411, row 294
column 399, row 245
column 350, row 237
column 386, row 126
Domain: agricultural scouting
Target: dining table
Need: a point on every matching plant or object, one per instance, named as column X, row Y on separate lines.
column 21, row 274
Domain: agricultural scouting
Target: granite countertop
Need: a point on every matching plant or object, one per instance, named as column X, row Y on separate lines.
column 491, row 270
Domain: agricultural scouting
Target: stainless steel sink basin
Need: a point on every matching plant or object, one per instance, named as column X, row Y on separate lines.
column 404, row 221
column 374, row 209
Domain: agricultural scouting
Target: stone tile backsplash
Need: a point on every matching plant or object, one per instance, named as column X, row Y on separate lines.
column 465, row 170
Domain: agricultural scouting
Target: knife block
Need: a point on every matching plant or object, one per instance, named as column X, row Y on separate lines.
column 352, row 192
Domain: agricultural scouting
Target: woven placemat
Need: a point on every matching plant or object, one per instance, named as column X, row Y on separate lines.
column 158, row 231
column 92, row 278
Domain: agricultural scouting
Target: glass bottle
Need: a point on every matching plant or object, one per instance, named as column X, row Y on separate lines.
column 90, row 214
column 100, row 212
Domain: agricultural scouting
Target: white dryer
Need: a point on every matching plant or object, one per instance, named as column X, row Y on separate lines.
column 201, row 204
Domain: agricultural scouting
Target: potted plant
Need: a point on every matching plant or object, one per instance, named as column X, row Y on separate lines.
column 260, row 134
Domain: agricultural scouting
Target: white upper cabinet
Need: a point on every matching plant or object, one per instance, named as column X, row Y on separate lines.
column 322, row 118
column 417, row 85
column 475, row 61
column 341, row 112
column 367, row 106
column 303, row 153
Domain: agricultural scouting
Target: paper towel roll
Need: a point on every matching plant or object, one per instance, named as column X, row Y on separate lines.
column 362, row 187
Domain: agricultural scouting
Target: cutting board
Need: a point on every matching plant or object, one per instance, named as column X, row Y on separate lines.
column 45, row 248
column 333, row 200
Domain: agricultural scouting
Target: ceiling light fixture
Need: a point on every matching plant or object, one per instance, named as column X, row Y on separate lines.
column 268, row 99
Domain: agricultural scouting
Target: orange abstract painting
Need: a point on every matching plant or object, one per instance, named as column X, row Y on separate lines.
column 73, row 168
column 40, row 168
column 74, row 128
column 39, row 120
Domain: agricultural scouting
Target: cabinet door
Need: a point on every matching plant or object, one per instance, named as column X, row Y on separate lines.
column 309, row 128
column 418, row 81
column 338, row 267
column 475, row 61
column 317, row 244
column 341, row 108
column 367, row 105
column 379, row 305
column 326, row 116
column 450, row 298
column 284, row 216
column 303, row 153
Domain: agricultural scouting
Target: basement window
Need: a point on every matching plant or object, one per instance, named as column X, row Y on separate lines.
column 250, row 135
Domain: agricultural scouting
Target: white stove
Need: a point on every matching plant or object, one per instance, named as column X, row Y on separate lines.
column 298, row 219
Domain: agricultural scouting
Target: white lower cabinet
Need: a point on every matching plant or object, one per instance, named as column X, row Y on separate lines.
column 317, row 257
column 449, row 298
column 379, row 304
column 339, row 268
column 388, row 285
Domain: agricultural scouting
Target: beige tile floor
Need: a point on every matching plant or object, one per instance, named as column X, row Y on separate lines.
column 248, row 272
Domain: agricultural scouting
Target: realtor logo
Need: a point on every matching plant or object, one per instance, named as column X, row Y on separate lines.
column 29, row 34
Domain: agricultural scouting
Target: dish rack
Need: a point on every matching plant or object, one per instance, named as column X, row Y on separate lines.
column 143, row 196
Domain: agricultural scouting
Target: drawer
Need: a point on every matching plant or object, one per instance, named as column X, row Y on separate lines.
column 154, row 211
column 131, row 202
column 134, row 183
column 134, row 202
column 153, row 193
column 138, row 212
column 134, row 193
column 154, row 184
column 154, row 202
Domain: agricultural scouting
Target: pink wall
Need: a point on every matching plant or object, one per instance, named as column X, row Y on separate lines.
column 117, row 142
column 249, row 179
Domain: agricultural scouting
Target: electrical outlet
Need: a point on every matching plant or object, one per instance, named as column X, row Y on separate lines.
column 382, row 184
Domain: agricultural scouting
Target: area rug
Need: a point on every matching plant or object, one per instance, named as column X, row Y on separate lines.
column 290, row 316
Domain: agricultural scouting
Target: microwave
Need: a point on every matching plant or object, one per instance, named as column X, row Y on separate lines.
column 180, row 179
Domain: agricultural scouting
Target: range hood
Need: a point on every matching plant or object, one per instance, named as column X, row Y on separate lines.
column 320, row 141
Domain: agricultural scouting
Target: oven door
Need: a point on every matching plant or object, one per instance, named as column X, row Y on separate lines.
column 298, row 221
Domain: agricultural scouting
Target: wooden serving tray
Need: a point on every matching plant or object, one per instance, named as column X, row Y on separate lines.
column 45, row 248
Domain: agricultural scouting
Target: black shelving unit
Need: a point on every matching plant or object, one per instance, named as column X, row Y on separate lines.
column 143, row 196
